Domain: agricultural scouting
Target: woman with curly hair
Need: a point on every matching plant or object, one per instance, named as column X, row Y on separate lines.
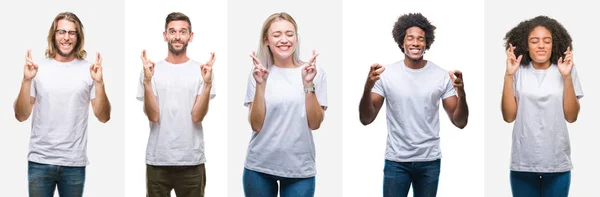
column 541, row 93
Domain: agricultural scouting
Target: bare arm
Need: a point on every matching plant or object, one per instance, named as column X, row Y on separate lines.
column 456, row 106
column 100, row 104
column 24, row 103
column 257, row 107
column 200, row 107
column 370, row 103
column 570, row 102
column 509, row 101
column 150, row 100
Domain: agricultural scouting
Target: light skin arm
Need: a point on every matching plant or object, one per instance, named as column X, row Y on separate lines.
column 24, row 103
column 570, row 103
column 257, row 107
column 314, row 112
column 509, row 101
column 371, row 103
column 200, row 107
column 150, row 100
column 100, row 104
column 456, row 106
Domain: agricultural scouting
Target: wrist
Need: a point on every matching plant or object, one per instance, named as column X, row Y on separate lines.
column 308, row 84
column 207, row 85
column 567, row 77
column 26, row 80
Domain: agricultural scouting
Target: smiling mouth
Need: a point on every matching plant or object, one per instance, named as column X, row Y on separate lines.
column 284, row 47
column 414, row 50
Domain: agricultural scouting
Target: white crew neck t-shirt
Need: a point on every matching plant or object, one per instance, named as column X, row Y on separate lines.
column 62, row 92
column 284, row 147
column 175, row 140
column 412, row 98
column 540, row 136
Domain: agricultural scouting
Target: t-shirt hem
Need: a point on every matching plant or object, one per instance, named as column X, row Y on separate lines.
column 70, row 164
column 281, row 174
column 540, row 169
column 175, row 163
column 413, row 160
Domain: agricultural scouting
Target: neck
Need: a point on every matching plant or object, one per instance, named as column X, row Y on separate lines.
column 541, row 66
column 60, row 58
column 414, row 64
column 284, row 63
column 177, row 58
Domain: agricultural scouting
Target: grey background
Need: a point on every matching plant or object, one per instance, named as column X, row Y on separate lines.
column 319, row 28
column 577, row 17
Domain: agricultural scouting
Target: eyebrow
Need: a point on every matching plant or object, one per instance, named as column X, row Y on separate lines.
column 539, row 38
column 288, row 31
column 175, row 29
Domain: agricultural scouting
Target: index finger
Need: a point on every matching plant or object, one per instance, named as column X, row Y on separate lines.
column 98, row 58
column 458, row 73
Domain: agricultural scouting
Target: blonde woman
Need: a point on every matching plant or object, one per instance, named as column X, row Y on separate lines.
column 286, row 98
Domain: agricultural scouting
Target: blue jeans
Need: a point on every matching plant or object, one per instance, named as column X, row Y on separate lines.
column 258, row 184
column 44, row 178
column 398, row 176
column 540, row 184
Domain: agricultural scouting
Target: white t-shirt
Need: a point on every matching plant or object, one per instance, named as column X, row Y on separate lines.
column 175, row 139
column 540, row 136
column 412, row 98
column 62, row 92
column 284, row 147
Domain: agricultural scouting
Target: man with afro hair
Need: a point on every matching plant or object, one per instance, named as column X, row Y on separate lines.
column 413, row 88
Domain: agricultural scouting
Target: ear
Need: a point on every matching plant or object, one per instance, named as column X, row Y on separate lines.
column 191, row 37
column 165, row 36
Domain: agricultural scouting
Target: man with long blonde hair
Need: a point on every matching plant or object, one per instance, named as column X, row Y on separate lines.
column 60, row 87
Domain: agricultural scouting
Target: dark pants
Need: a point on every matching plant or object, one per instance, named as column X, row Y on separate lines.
column 44, row 178
column 258, row 184
column 398, row 176
column 187, row 181
column 527, row 184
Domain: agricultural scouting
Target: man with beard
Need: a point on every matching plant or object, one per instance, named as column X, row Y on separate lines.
column 170, row 90
column 60, row 87
column 413, row 88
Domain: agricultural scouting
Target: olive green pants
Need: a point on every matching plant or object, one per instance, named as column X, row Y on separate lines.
column 187, row 181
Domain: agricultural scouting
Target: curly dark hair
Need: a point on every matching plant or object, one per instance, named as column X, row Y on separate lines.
column 518, row 36
column 413, row 20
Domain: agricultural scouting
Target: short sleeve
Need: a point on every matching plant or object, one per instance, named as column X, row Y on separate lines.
column 213, row 90
column 449, row 87
column 32, row 90
column 378, row 87
column 140, row 92
column 93, row 91
column 321, row 88
column 250, row 90
column 576, row 83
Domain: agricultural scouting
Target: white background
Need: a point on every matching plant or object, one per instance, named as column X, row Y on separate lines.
column 319, row 28
column 144, row 24
column 458, row 45
column 26, row 26
column 574, row 16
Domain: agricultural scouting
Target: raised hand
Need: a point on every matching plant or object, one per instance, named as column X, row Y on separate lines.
column 374, row 75
column 31, row 68
column 309, row 71
column 512, row 62
column 206, row 69
column 96, row 69
column 260, row 73
column 565, row 66
column 148, row 67
column 457, row 82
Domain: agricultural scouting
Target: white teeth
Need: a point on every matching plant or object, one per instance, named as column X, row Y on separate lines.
column 283, row 48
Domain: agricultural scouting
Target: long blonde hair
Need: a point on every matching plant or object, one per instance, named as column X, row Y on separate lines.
column 264, row 53
column 52, row 48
